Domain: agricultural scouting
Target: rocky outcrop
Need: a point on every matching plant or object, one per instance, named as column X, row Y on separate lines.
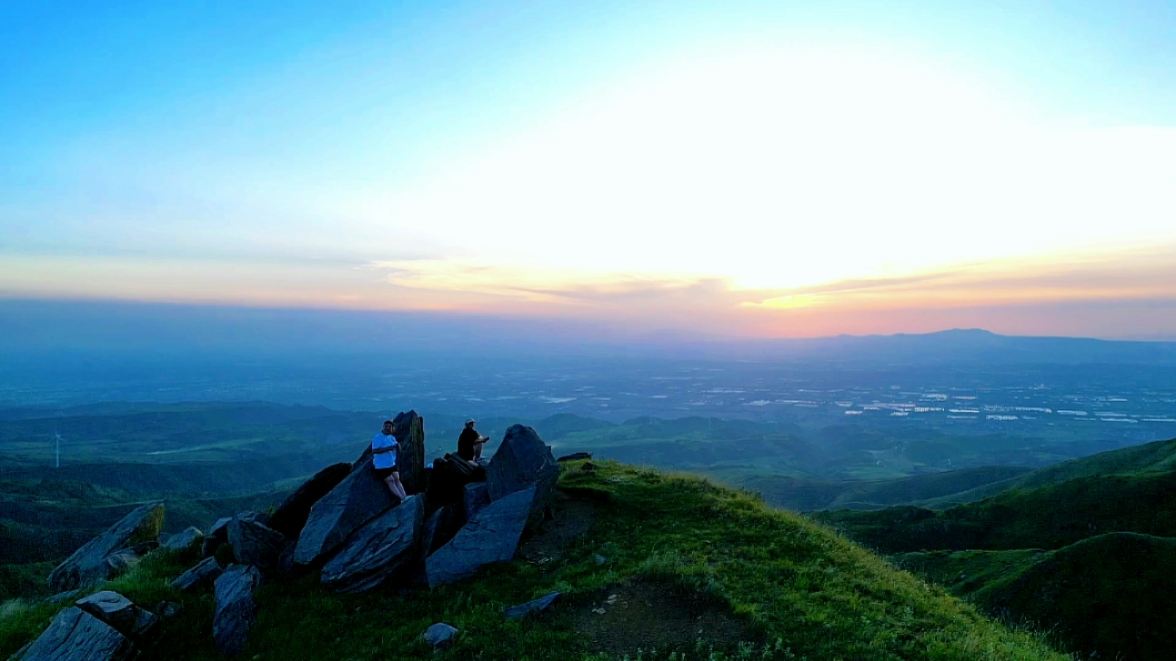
column 523, row 460
column 439, row 528
column 379, row 551
column 476, row 496
column 185, row 540
column 440, row 635
column 75, row 635
column 575, row 456
column 254, row 543
column 218, row 534
column 235, row 608
column 359, row 498
column 89, row 564
column 290, row 516
column 531, row 607
column 119, row 612
column 492, row 535
column 205, row 571
column 409, row 429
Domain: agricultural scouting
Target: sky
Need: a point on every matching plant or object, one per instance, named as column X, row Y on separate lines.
column 735, row 169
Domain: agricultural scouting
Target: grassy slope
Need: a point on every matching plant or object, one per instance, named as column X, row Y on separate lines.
column 800, row 589
column 1108, row 594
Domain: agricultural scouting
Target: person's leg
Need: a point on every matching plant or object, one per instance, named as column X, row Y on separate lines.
column 393, row 482
column 478, row 451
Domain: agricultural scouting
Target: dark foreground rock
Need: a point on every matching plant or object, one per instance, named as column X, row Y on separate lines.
column 359, row 498
column 523, row 460
column 254, row 543
column 575, row 456
column 75, row 635
column 206, row 571
column 182, row 541
column 290, row 516
column 534, row 606
column 119, row 612
column 89, row 564
column 440, row 635
column 381, row 550
column 492, row 535
column 476, row 497
column 218, row 534
column 409, row 429
column 235, row 608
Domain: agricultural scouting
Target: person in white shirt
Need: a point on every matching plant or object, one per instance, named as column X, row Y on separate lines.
column 384, row 447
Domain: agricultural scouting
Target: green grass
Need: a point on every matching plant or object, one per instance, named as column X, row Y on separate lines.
column 797, row 589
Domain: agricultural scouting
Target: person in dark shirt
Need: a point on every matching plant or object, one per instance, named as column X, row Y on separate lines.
column 470, row 442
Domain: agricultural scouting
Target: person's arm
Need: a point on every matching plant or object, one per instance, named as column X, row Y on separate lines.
column 385, row 449
column 482, row 439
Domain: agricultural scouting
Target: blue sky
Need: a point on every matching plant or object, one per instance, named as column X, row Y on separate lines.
column 494, row 156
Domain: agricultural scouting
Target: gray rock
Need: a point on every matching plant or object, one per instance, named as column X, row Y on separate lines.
column 575, row 456
column 218, row 534
column 477, row 496
column 185, row 540
column 119, row 612
column 359, row 498
column 205, row 571
column 600, row 560
column 290, row 516
column 88, row 564
column 75, row 635
column 440, row 635
column 254, row 543
column 381, row 550
column 235, row 608
column 522, row 460
column 534, row 606
column 409, row 429
column 439, row 528
column 492, row 535
column 121, row 561
column 168, row 609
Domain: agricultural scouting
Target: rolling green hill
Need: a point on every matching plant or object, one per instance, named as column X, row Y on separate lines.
column 649, row 564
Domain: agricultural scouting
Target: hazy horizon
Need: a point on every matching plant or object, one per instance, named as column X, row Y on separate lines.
column 744, row 169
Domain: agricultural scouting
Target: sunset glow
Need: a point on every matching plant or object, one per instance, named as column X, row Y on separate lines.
column 756, row 177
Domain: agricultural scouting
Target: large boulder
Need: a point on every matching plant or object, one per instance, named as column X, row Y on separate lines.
column 440, row 527
column 218, row 534
column 119, row 612
column 359, row 498
column 204, row 572
column 89, row 564
column 235, row 608
column 382, row 549
column 290, row 516
column 476, row 496
column 492, row 535
column 522, row 460
column 75, row 635
column 254, row 543
column 409, row 429
column 185, row 540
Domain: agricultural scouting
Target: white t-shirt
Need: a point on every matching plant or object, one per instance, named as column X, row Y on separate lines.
column 384, row 459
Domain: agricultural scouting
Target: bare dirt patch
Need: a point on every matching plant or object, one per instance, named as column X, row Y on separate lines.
column 572, row 516
column 648, row 615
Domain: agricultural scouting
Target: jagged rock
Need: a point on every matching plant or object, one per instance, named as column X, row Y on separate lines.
column 254, row 543
column 359, row 498
column 218, row 534
column 68, row 595
column 121, row 561
column 477, row 496
column 522, row 460
column 492, row 535
column 119, row 612
column 205, row 571
column 182, row 541
column 534, row 606
column 439, row 528
column 409, row 429
column 440, row 635
column 88, row 564
column 235, row 608
column 575, row 456
column 380, row 550
column 75, row 635
column 290, row 516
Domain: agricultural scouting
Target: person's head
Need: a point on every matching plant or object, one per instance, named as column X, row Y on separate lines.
column 470, row 423
column 387, row 426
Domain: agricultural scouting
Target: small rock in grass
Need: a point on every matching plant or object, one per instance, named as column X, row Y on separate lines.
column 534, row 606
column 440, row 635
column 599, row 559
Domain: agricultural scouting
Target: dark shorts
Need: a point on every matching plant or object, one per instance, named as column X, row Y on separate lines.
column 383, row 473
